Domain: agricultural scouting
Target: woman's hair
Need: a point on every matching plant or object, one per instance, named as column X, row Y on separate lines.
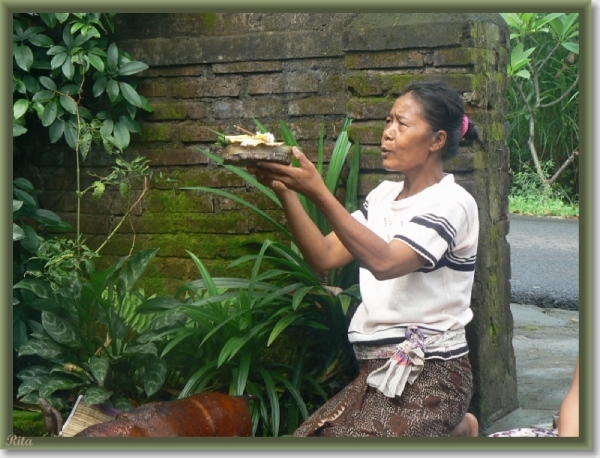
column 443, row 109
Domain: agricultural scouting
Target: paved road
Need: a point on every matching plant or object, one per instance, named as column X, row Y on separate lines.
column 544, row 261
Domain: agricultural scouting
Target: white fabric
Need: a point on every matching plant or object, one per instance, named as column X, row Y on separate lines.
column 440, row 223
column 407, row 360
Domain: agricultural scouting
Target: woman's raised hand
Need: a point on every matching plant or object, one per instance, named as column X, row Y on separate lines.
column 304, row 179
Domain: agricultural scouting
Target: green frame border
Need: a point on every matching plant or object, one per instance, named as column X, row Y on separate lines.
column 587, row 195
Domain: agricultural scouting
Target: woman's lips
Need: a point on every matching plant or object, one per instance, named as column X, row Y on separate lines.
column 385, row 151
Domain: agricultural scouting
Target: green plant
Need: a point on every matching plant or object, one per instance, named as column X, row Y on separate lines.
column 234, row 322
column 91, row 340
column 544, row 95
column 72, row 83
column 527, row 196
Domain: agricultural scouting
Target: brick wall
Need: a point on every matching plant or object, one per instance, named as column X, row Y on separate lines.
column 214, row 71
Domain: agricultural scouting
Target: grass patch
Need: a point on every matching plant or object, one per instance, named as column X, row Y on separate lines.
column 528, row 196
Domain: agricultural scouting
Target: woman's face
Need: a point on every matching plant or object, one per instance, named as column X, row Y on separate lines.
column 407, row 140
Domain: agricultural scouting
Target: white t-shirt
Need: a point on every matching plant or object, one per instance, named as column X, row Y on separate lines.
column 442, row 225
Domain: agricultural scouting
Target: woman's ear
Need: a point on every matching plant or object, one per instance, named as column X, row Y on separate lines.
column 439, row 140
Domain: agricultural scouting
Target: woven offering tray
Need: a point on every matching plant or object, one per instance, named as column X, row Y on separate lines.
column 250, row 155
column 249, row 149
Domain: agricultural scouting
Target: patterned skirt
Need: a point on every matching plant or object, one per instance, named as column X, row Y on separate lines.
column 432, row 406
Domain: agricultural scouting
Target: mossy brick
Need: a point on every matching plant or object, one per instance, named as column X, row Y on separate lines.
column 259, row 108
column 313, row 105
column 173, row 156
column 210, row 246
column 259, row 224
column 248, row 67
column 369, row 181
column 154, row 132
column 367, row 133
column 89, row 223
column 196, row 132
column 333, row 83
column 487, row 34
column 190, row 223
column 384, row 59
column 462, row 82
column 365, row 84
column 265, row 84
column 179, row 201
column 221, row 86
column 254, row 197
column 368, row 108
column 462, row 57
column 164, row 110
column 152, row 87
column 213, row 178
column 384, row 31
column 111, row 203
column 462, row 162
column 176, row 71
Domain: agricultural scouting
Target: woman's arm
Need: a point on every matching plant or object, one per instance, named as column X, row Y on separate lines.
column 349, row 238
column 568, row 416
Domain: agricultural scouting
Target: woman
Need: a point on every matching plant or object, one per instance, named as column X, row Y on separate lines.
column 416, row 241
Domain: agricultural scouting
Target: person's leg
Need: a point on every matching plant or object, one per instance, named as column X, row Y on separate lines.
column 468, row 427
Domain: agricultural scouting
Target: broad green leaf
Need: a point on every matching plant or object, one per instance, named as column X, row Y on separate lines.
column 41, row 40
column 148, row 348
column 99, row 367
column 49, row 19
column 43, row 348
column 112, row 89
column 20, row 108
column 130, row 94
column 154, row 376
column 43, row 96
column 70, row 133
column 16, row 205
column 112, row 57
column 62, row 17
column 242, row 375
column 136, row 265
column 33, row 372
column 30, row 385
column 210, row 286
column 122, row 134
column 570, row 46
column 294, row 392
column 25, row 197
column 40, row 288
column 59, row 329
column 131, row 124
column 131, row 68
column 23, row 56
column 96, row 62
column 96, row 395
column 31, row 84
column 24, row 184
column 107, row 127
column 56, row 130
column 32, row 241
column 523, row 74
column 70, row 89
column 58, row 60
column 45, row 216
column 57, row 383
column 49, row 114
column 54, row 50
column 68, row 69
column 18, row 130
column 18, row 233
column 99, row 86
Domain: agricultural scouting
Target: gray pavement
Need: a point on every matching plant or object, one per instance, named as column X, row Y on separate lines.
column 546, row 344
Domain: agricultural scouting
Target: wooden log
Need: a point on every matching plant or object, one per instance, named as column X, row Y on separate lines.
column 200, row 415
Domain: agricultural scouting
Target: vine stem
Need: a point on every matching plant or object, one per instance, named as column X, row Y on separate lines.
column 114, row 231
